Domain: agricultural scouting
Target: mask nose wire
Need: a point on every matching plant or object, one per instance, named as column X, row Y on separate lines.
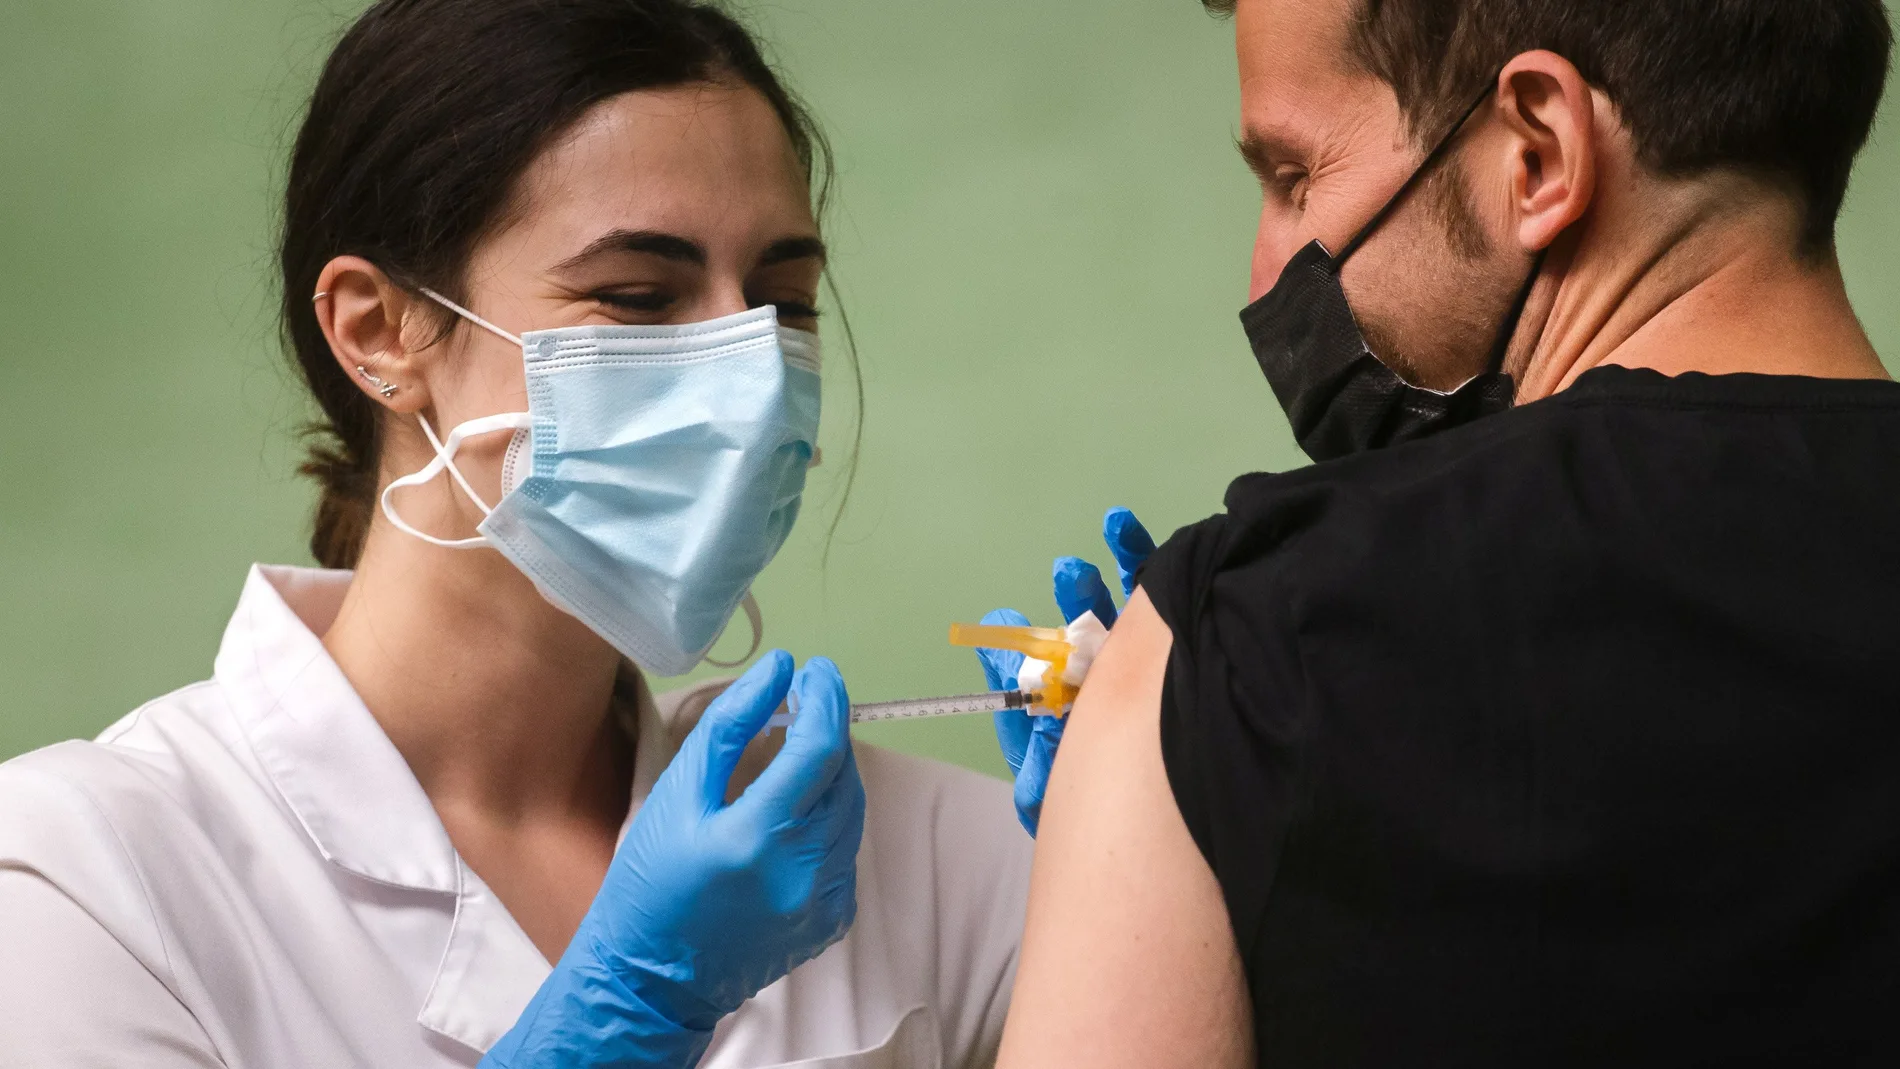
column 1437, row 153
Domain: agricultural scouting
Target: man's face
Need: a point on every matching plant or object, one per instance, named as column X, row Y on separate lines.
column 1331, row 147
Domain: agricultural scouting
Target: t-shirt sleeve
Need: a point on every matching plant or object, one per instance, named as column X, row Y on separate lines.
column 1230, row 730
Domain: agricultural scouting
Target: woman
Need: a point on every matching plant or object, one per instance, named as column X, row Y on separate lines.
column 550, row 271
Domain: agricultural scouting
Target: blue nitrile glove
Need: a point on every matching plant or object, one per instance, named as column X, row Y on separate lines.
column 707, row 903
column 1029, row 742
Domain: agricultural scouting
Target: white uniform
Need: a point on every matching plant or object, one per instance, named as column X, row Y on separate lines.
column 245, row 873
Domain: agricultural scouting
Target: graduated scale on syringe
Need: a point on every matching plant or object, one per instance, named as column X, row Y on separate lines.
column 1056, row 660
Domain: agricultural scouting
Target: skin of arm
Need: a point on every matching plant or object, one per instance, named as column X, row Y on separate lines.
column 1128, row 958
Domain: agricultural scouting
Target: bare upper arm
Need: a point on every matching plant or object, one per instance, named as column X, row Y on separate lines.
column 1128, row 959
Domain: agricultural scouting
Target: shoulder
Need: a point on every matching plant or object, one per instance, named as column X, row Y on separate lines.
column 1409, row 509
column 95, row 818
column 67, row 795
column 75, row 814
column 136, row 769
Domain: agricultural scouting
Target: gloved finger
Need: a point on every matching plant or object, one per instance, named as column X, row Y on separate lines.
column 844, row 805
column 838, row 883
column 838, row 905
column 817, row 745
column 826, row 841
column 1012, row 735
column 1079, row 589
column 1033, row 781
column 1000, row 666
column 1028, row 798
column 1048, row 734
column 841, row 811
column 712, row 749
column 1130, row 542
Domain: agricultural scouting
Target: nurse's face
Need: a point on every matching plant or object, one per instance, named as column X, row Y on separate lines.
column 667, row 206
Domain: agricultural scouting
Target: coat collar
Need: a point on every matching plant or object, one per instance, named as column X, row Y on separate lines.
column 361, row 806
column 326, row 755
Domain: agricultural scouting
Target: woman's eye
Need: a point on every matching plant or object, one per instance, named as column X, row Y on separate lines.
column 796, row 310
column 635, row 302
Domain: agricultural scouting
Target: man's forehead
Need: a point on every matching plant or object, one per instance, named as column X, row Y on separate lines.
column 1294, row 42
column 1296, row 69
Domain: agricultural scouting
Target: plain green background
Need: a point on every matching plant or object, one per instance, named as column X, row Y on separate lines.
column 1042, row 237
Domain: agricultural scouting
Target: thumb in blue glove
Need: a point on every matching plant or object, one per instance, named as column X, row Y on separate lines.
column 1029, row 743
column 708, row 903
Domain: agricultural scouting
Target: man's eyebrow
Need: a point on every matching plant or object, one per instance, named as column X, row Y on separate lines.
column 786, row 250
column 1264, row 152
column 1253, row 149
column 650, row 242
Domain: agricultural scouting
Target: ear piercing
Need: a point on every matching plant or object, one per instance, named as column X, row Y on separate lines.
column 385, row 388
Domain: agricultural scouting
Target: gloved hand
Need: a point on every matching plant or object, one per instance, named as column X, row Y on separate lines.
column 1029, row 742
column 706, row 903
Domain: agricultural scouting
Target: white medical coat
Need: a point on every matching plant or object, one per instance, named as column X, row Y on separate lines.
column 245, row 873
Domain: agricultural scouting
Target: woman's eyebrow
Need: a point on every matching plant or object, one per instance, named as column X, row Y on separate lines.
column 650, row 242
column 785, row 250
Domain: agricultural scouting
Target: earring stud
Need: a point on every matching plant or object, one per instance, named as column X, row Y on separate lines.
column 386, row 389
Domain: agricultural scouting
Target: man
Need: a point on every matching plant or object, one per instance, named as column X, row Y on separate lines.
column 1565, row 735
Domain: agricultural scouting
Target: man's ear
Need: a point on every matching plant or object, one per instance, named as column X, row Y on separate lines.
column 361, row 312
column 1551, row 114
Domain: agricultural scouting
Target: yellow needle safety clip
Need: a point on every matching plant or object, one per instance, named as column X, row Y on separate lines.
column 1047, row 684
column 1048, row 644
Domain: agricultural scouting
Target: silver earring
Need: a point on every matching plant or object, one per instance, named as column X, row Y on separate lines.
column 386, row 389
column 320, row 296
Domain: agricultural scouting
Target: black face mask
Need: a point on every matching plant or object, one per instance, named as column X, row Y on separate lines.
column 1339, row 396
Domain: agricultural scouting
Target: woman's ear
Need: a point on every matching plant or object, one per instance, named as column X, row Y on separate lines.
column 362, row 312
column 1551, row 113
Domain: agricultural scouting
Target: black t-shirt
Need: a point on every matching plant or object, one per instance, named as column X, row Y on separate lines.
column 1569, row 737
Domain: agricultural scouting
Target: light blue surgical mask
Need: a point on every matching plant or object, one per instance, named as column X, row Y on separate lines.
column 655, row 474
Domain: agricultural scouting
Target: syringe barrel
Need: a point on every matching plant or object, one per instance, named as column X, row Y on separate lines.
column 919, row 708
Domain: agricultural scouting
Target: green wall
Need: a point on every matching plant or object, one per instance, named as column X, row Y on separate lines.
column 1042, row 239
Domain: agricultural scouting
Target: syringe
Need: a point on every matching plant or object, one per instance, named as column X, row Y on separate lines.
column 1054, row 647
column 1052, row 698
column 917, row 708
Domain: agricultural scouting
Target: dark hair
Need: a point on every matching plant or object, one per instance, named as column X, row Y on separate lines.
column 1787, row 89
column 426, row 115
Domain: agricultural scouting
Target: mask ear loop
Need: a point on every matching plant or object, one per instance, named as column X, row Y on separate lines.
column 445, row 452
column 448, row 462
column 757, row 619
column 470, row 316
column 1507, row 331
column 1431, row 160
column 445, row 461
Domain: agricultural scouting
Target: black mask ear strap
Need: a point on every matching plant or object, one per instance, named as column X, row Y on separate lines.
column 1508, row 330
column 1431, row 160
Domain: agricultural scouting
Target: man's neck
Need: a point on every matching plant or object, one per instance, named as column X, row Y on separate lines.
column 1719, row 293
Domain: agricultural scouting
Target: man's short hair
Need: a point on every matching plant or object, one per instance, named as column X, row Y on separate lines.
column 1785, row 89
